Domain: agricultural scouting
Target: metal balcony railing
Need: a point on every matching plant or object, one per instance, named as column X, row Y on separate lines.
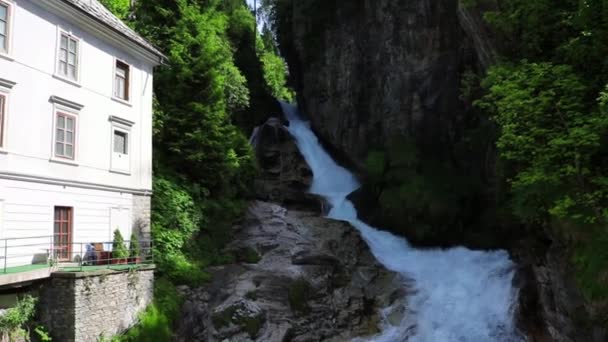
column 30, row 253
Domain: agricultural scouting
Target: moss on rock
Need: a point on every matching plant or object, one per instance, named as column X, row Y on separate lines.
column 300, row 292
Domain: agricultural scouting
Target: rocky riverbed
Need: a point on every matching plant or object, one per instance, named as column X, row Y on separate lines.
column 301, row 278
column 298, row 276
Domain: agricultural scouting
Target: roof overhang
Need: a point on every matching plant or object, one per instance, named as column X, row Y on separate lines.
column 98, row 28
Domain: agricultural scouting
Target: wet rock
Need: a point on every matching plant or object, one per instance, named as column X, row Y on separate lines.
column 284, row 174
column 315, row 280
column 551, row 306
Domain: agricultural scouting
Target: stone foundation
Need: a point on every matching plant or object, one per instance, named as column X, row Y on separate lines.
column 82, row 307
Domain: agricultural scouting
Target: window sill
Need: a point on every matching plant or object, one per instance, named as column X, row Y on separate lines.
column 121, row 172
column 124, row 102
column 7, row 56
column 67, row 80
column 64, row 161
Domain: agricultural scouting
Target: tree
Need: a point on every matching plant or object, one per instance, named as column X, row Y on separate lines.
column 551, row 137
column 120, row 8
column 119, row 250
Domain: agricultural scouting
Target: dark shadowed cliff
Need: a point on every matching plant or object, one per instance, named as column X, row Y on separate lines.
column 381, row 83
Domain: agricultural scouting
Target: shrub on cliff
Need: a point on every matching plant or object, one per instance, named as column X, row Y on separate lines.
column 13, row 322
column 554, row 144
column 551, row 139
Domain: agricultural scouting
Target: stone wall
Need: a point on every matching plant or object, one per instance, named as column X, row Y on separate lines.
column 82, row 307
column 141, row 216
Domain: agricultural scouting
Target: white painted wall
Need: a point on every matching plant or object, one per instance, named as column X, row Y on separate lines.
column 27, row 210
column 31, row 182
column 30, row 115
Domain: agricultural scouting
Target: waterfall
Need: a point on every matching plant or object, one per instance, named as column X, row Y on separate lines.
column 459, row 294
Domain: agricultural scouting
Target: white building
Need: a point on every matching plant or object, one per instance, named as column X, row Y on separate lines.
column 75, row 126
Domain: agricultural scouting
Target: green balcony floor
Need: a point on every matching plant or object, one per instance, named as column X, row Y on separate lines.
column 21, row 269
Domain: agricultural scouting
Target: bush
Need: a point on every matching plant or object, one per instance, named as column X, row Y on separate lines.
column 13, row 322
column 550, row 139
column 155, row 324
column 300, row 292
column 119, row 250
column 134, row 248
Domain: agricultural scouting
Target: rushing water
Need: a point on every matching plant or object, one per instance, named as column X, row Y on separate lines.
column 460, row 294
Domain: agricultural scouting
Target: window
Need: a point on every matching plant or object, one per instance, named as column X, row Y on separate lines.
column 120, row 132
column 4, row 26
column 121, row 142
column 121, row 162
column 62, row 230
column 2, row 115
column 121, row 81
column 65, row 136
column 68, row 57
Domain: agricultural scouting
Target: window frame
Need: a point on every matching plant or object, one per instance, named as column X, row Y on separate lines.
column 63, row 114
column 123, row 126
column 58, row 73
column 74, row 114
column 6, row 50
column 3, row 114
column 127, row 142
column 128, row 81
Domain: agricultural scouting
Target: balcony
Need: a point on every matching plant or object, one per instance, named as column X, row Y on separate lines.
column 27, row 259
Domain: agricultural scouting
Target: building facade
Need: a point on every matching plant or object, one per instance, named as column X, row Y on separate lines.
column 75, row 126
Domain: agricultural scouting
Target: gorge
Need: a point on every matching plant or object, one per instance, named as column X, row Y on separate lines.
column 473, row 133
column 434, row 105
column 459, row 294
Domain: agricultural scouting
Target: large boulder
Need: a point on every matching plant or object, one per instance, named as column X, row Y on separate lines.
column 284, row 174
column 307, row 278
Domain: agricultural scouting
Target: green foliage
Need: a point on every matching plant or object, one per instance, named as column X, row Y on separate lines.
column 119, row 250
column 565, row 32
column 268, row 40
column 197, row 92
column 121, row 8
column 103, row 338
column 300, row 292
column 42, row 334
column 419, row 194
column 553, row 125
column 591, row 260
column 275, row 74
column 252, row 295
column 13, row 322
column 550, row 137
column 247, row 255
column 376, row 165
column 176, row 219
column 231, row 315
column 155, row 324
column 134, row 247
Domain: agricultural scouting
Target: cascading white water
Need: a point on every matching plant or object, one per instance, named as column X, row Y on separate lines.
column 460, row 294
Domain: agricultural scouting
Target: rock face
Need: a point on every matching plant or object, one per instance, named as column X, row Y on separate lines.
column 368, row 71
column 303, row 278
column 284, row 175
column 384, row 76
column 552, row 307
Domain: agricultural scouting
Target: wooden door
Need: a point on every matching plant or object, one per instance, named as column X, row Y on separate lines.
column 63, row 233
